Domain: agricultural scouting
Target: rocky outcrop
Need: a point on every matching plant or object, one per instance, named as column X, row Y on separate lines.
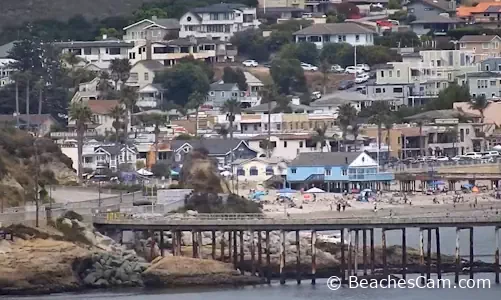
column 102, row 269
column 184, row 271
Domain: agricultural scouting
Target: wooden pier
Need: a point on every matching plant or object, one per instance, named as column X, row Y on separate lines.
column 233, row 226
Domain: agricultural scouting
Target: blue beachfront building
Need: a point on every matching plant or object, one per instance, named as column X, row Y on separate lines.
column 336, row 172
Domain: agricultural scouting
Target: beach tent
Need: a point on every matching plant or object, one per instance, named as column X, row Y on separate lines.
column 315, row 190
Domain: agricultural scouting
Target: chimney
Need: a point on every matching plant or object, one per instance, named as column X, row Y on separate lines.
column 148, row 49
column 154, row 18
column 105, row 37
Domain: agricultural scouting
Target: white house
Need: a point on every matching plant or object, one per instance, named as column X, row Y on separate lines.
column 286, row 146
column 259, row 169
column 351, row 33
column 150, row 96
column 97, row 51
column 219, row 21
column 111, row 156
column 143, row 72
column 5, row 71
column 153, row 30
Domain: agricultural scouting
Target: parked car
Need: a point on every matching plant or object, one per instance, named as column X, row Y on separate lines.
column 250, row 63
column 442, row 158
column 267, row 65
column 316, row 95
column 364, row 67
column 362, row 78
column 337, row 69
column 489, row 154
column 345, row 84
column 308, row 67
column 473, row 155
column 353, row 70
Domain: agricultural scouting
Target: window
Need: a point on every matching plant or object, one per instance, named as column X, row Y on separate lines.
column 146, row 76
column 398, row 73
column 278, row 126
column 269, row 170
column 132, row 55
column 485, row 45
column 382, row 74
column 467, row 131
column 255, row 127
column 378, row 90
column 390, row 73
column 301, row 144
column 212, row 93
column 240, row 171
column 397, row 90
column 285, row 144
column 327, row 171
column 253, row 171
column 293, row 170
column 439, row 63
column 493, row 82
column 114, row 51
column 188, row 19
column 344, row 172
column 357, row 38
column 265, row 126
column 222, row 94
column 87, row 51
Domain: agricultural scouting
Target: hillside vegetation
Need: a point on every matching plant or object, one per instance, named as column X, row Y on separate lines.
column 18, row 165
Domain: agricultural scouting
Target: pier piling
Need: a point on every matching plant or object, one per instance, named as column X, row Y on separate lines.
column 421, row 254
column 241, row 252
column 472, row 256
column 355, row 267
column 235, row 250
column 428, row 256
column 350, row 249
column 282, row 257
column 222, row 246
column 496, row 256
column 298, row 258
column 259, row 254
column 364, row 250
column 161, row 242
column 458, row 260
column 404, row 254
column 194, row 242
column 268, row 258
column 343, row 262
column 174, row 247
column 253, row 253
column 230, row 247
column 199, row 244
column 373, row 254
column 383, row 241
column 314, row 256
column 439, row 255
column 213, row 244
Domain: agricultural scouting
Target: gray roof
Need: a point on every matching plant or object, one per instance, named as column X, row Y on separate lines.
column 411, row 54
column 153, row 65
column 264, row 107
column 222, row 87
column 437, row 19
column 168, row 23
column 5, row 49
column 214, row 146
column 334, row 28
column 103, row 43
column 493, row 9
column 320, row 159
column 383, row 66
column 482, row 74
column 113, row 150
column 219, row 7
column 477, row 38
column 440, row 114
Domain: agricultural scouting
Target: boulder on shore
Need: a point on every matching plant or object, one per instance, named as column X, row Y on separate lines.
column 184, row 271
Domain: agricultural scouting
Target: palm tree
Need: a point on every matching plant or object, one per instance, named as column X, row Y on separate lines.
column 117, row 113
column 81, row 114
column 120, row 70
column 388, row 125
column 378, row 119
column 324, row 68
column 195, row 100
column 320, row 137
column 355, row 130
column 231, row 108
column 453, row 134
column 480, row 103
column 128, row 97
column 40, row 86
column 104, row 86
column 17, row 77
column 346, row 115
column 157, row 120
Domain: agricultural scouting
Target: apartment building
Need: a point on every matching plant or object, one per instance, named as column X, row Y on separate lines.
column 483, row 46
column 153, row 29
column 351, row 33
column 218, row 21
column 421, row 76
column 102, row 51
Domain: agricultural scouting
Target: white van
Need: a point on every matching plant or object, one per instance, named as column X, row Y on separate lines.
column 489, row 154
column 473, row 155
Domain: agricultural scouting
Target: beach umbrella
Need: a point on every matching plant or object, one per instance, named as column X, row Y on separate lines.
column 315, row 190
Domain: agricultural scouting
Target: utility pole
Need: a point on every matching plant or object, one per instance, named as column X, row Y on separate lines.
column 37, row 171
